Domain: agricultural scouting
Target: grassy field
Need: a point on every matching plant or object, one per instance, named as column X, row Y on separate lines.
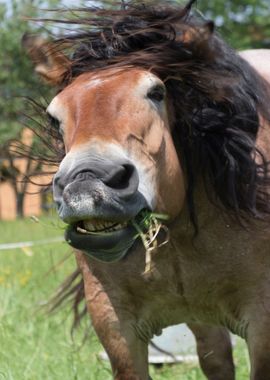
column 38, row 346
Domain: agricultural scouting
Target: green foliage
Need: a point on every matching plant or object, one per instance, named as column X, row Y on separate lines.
column 244, row 24
column 17, row 79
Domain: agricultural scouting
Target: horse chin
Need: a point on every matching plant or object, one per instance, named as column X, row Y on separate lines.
column 102, row 240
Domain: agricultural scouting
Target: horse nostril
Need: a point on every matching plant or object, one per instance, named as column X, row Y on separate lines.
column 120, row 180
column 124, row 179
column 119, row 177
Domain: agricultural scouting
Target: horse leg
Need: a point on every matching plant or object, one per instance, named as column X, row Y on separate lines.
column 115, row 328
column 215, row 351
column 259, row 349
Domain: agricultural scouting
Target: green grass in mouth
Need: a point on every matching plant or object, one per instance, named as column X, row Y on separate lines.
column 148, row 225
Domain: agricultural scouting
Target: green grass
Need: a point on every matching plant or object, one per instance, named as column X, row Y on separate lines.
column 38, row 346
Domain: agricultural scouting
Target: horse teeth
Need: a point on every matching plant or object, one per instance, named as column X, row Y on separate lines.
column 88, row 226
column 81, row 230
column 97, row 226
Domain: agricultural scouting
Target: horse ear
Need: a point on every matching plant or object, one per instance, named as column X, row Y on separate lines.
column 50, row 63
column 197, row 34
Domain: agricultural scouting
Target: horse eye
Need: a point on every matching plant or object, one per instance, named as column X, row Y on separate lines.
column 157, row 94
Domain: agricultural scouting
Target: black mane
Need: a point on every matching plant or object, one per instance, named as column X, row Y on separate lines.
column 216, row 95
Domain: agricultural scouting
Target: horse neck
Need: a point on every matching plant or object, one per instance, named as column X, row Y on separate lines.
column 206, row 213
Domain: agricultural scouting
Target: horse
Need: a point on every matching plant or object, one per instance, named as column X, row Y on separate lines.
column 160, row 116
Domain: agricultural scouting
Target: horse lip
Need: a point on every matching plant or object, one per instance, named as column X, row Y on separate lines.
column 108, row 247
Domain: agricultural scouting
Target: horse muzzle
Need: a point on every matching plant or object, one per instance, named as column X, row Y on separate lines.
column 98, row 199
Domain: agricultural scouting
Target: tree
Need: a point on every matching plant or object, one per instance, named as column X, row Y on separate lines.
column 17, row 81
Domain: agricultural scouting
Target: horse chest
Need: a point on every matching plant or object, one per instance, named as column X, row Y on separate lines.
column 168, row 295
column 209, row 280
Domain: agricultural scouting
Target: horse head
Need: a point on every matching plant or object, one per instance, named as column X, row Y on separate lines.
column 120, row 156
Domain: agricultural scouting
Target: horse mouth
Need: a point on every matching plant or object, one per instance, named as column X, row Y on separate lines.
column 103, row 240
column 95, row 226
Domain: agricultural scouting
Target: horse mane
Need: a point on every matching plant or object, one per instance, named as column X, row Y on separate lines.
column 216, row 96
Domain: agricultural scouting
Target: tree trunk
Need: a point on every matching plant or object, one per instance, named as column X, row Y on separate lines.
column 20, row 204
